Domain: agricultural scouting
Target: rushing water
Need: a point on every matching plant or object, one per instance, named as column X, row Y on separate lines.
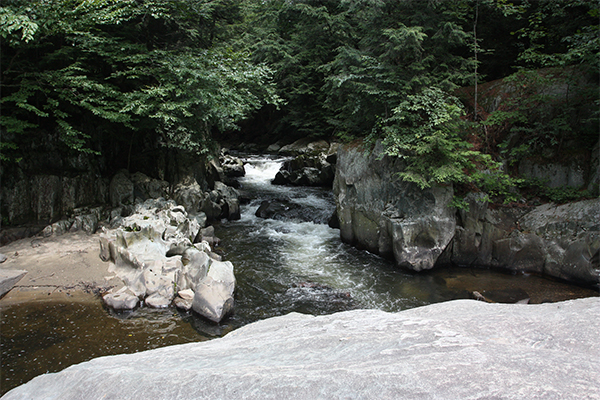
column 281, row 266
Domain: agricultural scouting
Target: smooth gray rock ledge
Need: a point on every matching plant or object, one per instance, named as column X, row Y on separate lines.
column 461, row 349
column 9, row 278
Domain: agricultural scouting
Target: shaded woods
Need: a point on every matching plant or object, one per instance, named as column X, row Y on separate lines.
column 117, row 82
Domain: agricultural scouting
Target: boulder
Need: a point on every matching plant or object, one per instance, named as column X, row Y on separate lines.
column 122, row 300
column 213, row 297
column 146, row 188
column 304, row 146
column 273, row 148
column 380, row 212
column 281, row 209
column 158, row 300
column 183, row 304
column 306, row 170
column 87, row 223
column 121, row 189
column 190, row 196
column 287, row 210
column 228, row 200
column 478, row 230
column 9, row 278
column 232, row 166
column 568, row 239
column 58, row 228
column 462, row 349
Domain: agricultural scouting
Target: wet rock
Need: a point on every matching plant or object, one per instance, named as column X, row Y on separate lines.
column 183, row 304
column 122, row 300
column 228, row 201
column 280, row 209
column 208, row 235
column 157, row 300
column 233, row 167
column 507, row 351
column 333, row 221
column 306, row 170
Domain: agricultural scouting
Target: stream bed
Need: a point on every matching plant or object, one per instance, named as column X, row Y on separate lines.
column 289, row 264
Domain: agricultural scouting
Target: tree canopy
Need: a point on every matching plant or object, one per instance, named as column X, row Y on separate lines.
column 89, row 71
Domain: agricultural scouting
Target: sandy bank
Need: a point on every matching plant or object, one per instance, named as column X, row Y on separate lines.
column 67, row 265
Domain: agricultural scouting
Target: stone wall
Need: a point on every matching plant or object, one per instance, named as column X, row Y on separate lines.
column 57, row 191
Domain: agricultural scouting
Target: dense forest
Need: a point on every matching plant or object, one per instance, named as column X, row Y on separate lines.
column 121, row 79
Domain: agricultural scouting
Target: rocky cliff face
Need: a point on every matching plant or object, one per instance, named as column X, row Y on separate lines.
column 381, row 213
column 74, row 193
column 385, row 215
column 560, row 241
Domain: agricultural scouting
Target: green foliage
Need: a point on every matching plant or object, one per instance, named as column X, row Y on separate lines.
column 11, row 23
column 85, row 70
column 426, row 131
column 537, row 188
column 559, row 33
column 547, row 111
column 174, row 72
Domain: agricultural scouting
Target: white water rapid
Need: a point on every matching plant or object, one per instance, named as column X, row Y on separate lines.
column 288, row 264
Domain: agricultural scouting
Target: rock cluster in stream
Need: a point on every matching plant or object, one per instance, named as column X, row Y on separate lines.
column 163, row 256
column 313, row 164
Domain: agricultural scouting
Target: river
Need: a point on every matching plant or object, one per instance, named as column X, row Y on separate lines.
column 283, row 265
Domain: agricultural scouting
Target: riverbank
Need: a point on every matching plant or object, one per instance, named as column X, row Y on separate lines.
column 57, row 267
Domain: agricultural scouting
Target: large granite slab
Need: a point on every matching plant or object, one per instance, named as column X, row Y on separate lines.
column 462, row 349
